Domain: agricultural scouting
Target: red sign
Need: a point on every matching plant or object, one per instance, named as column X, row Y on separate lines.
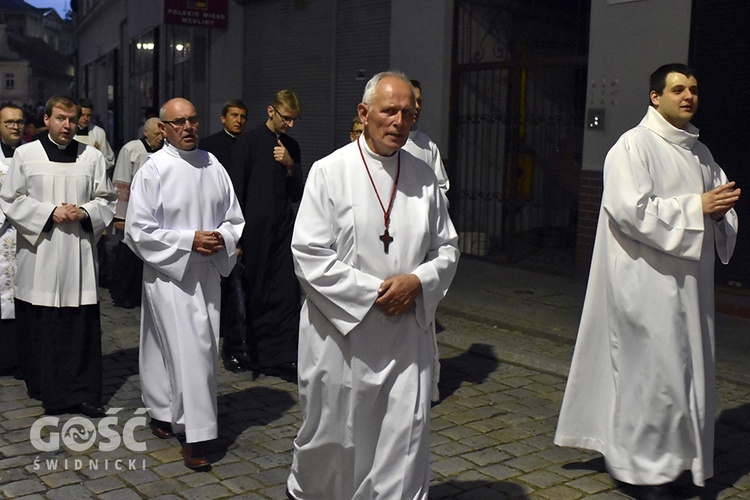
column 198, row 13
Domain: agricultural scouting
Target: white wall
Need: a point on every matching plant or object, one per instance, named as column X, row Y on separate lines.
column 628, row 41
column 421, row 37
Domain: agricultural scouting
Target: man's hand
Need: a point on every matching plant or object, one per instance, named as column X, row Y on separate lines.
column 67, row 212
column 720, row 200
column 281, row 155
column 397, row 295
column 208, row 242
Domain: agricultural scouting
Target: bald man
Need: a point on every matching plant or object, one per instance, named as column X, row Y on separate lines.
column 125, row 282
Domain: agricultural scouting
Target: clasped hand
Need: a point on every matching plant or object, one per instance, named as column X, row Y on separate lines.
column 720, row 200
column 67, row 212
column 208, row 242
column 398, row 295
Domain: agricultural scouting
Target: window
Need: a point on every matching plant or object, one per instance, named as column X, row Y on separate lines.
column 10, row 80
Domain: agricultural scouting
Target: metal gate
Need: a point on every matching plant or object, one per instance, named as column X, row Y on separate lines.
column 519, row 85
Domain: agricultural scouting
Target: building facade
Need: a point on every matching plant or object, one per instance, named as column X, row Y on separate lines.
column 36, row 53
column 510, row 89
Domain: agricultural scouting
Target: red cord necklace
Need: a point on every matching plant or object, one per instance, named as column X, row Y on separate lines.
column 385, row 237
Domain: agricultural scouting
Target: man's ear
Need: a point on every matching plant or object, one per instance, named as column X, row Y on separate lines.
column 362, row 112
column 655, row 99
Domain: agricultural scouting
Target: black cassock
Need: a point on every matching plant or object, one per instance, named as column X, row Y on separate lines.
column 267, row 194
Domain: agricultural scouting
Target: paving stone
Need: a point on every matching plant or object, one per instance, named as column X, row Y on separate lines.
column 588, row 485
column 104, row 484
column 61, row 479
column 451, row 466
column 208, row 491
column 161, row 487
column 72, row 492
column 122, row 494
column 20, row 488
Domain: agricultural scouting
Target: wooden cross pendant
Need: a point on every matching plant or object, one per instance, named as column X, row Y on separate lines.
column 386, row 239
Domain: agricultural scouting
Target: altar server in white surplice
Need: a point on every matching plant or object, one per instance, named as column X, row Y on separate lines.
column 57, row 196
column 641, row 389
column 184, row 221
column 11, row 133
column 424, row 148
column 375, row 251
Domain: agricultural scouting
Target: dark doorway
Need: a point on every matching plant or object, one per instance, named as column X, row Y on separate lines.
column 519, row 95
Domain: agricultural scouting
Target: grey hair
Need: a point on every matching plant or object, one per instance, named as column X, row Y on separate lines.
column 369, row 93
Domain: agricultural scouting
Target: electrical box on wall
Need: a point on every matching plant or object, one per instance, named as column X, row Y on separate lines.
column 595, row 118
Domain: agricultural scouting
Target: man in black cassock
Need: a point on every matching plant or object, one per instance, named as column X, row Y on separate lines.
column 58, row 197
column 221, row 144
column 234, row 348
column 267, row 176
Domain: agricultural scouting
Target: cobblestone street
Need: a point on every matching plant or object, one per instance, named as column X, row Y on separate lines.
column 491, row 432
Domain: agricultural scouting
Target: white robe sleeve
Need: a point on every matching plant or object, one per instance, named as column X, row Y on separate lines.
column 101, row 207
column 341, row 292
column 437, row 272
column 673, row 224
column 167, row 250
column 29, row 215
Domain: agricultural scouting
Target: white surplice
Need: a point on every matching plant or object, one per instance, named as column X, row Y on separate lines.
column 365, row 378
column 97, row 138
column 7, row 254
column 424, row 148
column 174, row 194
column 641, row 389
column 56, row 268
column 132, row 155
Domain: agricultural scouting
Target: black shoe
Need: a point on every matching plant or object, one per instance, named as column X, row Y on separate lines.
column 92, row 410
column 650, row 492
column 232, row 364
column 285, row 371
column 125, row 305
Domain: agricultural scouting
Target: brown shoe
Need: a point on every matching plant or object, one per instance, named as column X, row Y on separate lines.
column 192, row 456
column 161, row 429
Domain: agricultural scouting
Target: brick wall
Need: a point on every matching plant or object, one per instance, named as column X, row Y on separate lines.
column 590, row 197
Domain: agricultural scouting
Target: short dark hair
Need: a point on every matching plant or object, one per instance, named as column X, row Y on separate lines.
column 86, row 103
column 416, row 84
column 233, row 103
column 10, row 105
column 62, row 101
column 658, row 78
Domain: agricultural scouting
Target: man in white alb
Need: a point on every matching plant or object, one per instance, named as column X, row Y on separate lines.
column 184, row 221
column 421, row 146
column 375, row 251
column 125, row 280
column 641, row 389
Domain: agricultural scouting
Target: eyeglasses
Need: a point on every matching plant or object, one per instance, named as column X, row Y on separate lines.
column 15, row 124
column 181, row 122
column 284, row 118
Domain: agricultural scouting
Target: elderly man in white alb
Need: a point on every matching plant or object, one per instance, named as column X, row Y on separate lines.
column 375, row 251
column 184, row 221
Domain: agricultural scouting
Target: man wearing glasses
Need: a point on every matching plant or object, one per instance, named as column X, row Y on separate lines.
column 59, row 199
column 11, row 132
column 183, row 221
column 267, row 177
